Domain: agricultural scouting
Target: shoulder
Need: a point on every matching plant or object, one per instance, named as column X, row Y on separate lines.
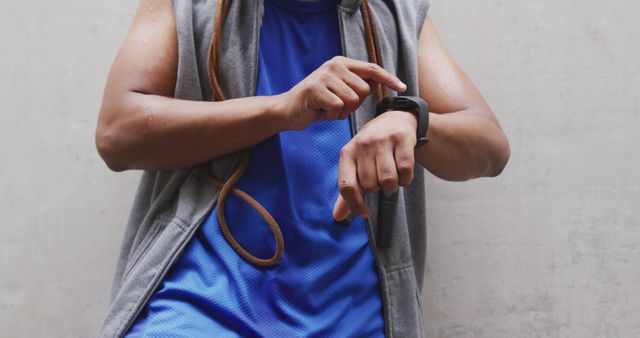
column 411, row 13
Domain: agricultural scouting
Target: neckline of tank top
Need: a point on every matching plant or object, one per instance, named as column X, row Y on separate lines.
column 306, row 6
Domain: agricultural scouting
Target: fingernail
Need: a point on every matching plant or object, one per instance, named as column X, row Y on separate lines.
column 345, row 222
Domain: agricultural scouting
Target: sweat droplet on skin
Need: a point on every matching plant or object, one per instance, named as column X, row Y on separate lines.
column 146, row 125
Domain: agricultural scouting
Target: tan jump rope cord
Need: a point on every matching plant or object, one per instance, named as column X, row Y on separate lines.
column 213, row 67
column 373, row 45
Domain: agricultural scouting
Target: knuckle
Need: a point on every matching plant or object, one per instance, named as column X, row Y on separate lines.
column 353, row 96
column 338, row 58
column 406, row 175
column 363, row 89
column 389, row 181
column 369, row 187
column 336, row 105
column 353, row 99
column 347, row 189
column 397, row 135
column 380, row 138
column 318, row 73
column 345, row 151
column 306, row 89
column 335, row 63
column 405, row 166
column 312, row 88
column 374, row 140
column 363, row 142
column 323, row 76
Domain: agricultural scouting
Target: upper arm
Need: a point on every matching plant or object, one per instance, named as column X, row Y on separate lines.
column 147, row 61
column 442, row 82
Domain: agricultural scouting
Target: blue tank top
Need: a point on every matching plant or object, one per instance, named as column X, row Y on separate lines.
column 326, row 284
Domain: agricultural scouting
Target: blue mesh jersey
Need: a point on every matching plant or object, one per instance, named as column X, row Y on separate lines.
column 326, row 284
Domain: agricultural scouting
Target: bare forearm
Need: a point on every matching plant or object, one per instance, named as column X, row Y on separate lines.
column 157, row 133
column 145, row 131
column 462, row 146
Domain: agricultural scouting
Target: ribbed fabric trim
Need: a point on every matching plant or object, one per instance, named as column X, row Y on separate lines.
column 306, row 6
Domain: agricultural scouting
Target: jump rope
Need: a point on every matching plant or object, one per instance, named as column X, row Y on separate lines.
column 213, row 67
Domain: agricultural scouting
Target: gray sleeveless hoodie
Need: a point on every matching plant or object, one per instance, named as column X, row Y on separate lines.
column 170, row 205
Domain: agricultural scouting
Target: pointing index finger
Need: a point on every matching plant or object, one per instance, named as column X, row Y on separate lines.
column 373, row 72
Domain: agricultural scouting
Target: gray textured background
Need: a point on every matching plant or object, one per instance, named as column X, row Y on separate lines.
column 549, row 249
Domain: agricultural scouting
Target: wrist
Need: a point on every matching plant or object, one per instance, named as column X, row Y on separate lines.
column 276, row 110
column 414, row 105
column 410, row 120
column 434, row 123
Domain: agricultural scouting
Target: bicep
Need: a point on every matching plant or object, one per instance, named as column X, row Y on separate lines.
column 442, row 82
column 147, row 60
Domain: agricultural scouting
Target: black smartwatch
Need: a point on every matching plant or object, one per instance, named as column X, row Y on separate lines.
column 412, row 104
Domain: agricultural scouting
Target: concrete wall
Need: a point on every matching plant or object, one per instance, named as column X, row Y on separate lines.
column 549, row 249
column 552, row 247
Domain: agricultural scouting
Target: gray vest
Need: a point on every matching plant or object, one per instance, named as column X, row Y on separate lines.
column 170, row 205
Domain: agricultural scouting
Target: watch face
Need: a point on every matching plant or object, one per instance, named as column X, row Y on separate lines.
column 397, row 103
column 402, row 103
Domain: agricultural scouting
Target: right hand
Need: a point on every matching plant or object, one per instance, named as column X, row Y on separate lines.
column 333, row 91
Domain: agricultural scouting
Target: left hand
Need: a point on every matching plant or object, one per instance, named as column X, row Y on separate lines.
column 380, row 155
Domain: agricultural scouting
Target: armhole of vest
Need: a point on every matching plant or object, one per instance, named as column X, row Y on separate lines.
column 174, row 6
column 423, row 11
